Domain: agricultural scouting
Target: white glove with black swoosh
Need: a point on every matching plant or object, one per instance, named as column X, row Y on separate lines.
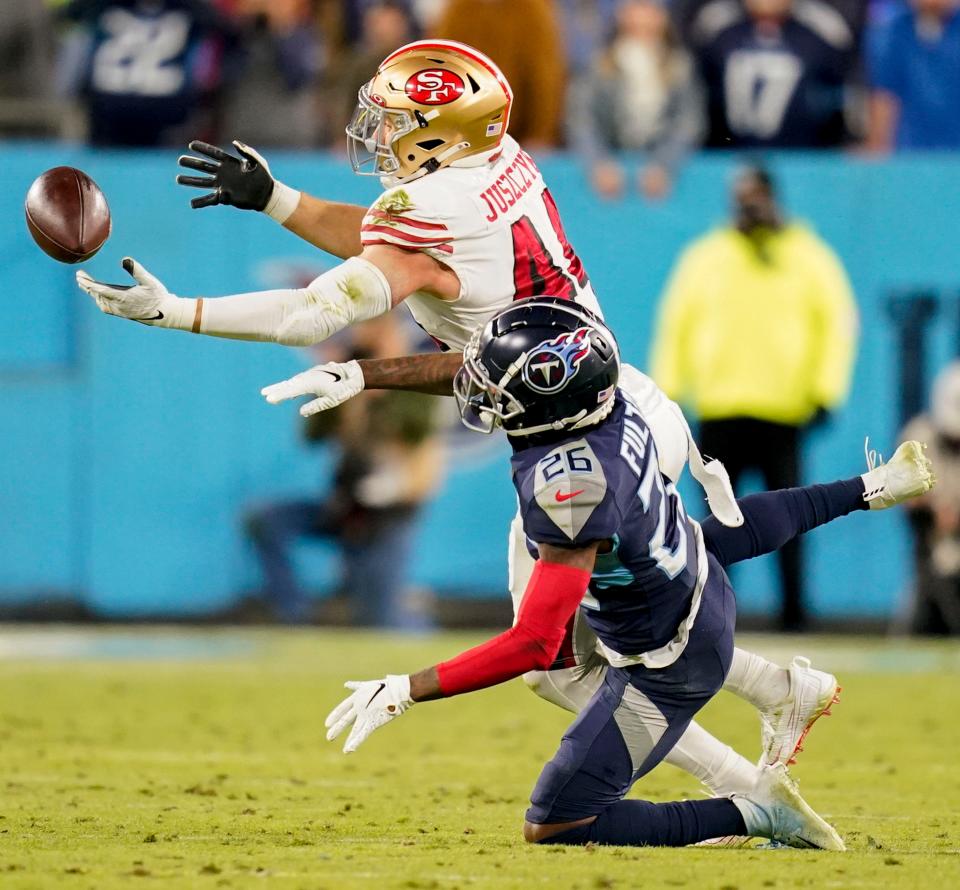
column 333, row 383
column 372, row 704
column 147, row 301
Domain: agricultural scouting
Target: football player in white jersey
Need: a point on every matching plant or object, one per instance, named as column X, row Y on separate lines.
column 465, row 226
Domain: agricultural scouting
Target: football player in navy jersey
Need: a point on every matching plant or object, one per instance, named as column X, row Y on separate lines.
column 612, row 538
column 776, row 72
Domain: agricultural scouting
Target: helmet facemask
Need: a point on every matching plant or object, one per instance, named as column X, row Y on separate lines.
column 372, row 133
column 484, row 403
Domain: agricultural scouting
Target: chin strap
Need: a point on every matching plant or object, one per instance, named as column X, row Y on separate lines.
column 577, row 422
column 436, row 163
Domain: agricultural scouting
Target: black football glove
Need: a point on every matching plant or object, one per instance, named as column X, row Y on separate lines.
column 243, row 182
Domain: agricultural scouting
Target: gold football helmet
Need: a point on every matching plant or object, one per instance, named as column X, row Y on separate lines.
column 430, row 103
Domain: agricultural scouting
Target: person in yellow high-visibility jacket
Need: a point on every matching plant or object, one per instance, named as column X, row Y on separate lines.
column 756, row 335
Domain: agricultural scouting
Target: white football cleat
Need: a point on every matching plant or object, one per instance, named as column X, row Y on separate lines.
column 784, row 727
column 906, row 475
column 775, row 809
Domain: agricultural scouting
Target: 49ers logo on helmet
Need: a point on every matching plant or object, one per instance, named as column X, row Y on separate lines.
column 434, row 86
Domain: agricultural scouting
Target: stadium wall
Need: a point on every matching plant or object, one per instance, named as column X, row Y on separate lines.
column 128, row 454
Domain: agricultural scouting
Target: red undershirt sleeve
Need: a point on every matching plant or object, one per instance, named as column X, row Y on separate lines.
column 552, row 596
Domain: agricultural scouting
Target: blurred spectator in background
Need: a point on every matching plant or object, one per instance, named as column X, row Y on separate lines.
column 523, row 38
column 388, row 462
column 641, row 95
column 757, row 333
column 935, row 518
column 587, row 26
column 914, row 63
column 775, row 71
column 143, row 67
column 385, row 26
column 271, row 97
column 427, row 13
column 854, row 12
column 26, row 69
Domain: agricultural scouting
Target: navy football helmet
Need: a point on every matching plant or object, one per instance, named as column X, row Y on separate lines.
column 541, row 364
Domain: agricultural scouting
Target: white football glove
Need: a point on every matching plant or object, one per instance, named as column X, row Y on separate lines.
column 372, row 704
column 147, row 301
column 333, row 382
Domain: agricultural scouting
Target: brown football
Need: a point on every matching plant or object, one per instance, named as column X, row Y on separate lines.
column 67, row 214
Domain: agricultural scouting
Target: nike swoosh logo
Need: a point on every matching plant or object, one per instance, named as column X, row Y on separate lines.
column 380, row 689
column 566, row 497
column 336, row 377
column 156, row 317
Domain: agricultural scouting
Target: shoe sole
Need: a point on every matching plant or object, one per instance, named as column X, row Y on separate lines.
column 823, row 837
column 731, row 840
column 823, row 709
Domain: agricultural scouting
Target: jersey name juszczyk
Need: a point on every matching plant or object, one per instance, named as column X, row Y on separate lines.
column 496, row 226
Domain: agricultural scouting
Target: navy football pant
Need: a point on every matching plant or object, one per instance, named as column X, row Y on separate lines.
column 636, row 717
column 773, row 518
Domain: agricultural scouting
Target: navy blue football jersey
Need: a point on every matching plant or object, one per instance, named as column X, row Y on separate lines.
column 147, row 65
column 782, row 87
column 606, row 485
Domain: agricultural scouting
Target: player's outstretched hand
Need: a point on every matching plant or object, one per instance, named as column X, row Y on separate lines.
column 147, row 301
column 333, row 383
column 244, row 182
column 371, row 704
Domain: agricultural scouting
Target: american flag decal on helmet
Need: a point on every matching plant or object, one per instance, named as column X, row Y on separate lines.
column 554, row 363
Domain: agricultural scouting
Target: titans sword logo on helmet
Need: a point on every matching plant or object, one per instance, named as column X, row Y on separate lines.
column 551, row 365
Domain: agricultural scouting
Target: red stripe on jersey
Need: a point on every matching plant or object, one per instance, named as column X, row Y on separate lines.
column 370, row 242
column 405, row 236
column 401, row 219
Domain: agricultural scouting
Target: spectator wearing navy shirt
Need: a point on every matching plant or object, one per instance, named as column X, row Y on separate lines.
column 775, row 71
column 914, row 68
column 141, row 66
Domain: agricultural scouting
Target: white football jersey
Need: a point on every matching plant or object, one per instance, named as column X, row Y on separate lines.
column 496, row 226
column 495, row 223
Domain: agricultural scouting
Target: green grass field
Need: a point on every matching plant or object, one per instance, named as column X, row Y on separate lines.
column 162, row 759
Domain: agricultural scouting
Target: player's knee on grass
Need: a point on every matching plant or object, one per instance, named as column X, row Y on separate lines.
column 535, row 833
